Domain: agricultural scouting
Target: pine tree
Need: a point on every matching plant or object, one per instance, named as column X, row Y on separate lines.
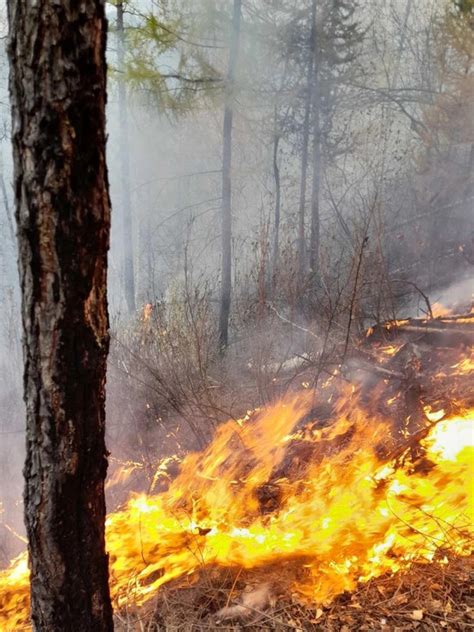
column 58, row 94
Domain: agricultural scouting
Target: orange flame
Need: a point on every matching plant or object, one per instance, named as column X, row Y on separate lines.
column 344, row 512
column 439, row 310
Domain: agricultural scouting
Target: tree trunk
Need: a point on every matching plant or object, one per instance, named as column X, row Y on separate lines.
column 304, row 152
column 58, row 94
column 276, row 227
column 127, row 221
column 316, row 184
column 401, row 46
column 226, row 181
column 6, row 205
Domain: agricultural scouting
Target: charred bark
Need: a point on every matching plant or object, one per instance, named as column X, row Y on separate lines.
column 226, row 236
column 58, row 93
column 450, row 331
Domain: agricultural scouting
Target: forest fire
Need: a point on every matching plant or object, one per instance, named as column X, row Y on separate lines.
column 357, row 481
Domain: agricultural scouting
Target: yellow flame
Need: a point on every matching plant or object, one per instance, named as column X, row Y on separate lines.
column 465, row 366
column 348, row 516
column 439, row 310
column 390, row 350
column 434, row 415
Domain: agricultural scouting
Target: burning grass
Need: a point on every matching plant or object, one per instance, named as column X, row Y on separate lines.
column 356, row 488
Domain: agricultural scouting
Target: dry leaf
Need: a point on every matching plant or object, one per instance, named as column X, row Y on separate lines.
column 399, row 599
column 258, row 598
column 417, row 615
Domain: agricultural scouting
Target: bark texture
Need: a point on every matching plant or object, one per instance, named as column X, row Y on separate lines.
column 58, row 92
column 227, row 181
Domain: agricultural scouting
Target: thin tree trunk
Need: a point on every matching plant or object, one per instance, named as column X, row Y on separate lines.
column 7, row 206
column 276, row 226
column 316, row 184
column 226, row 181
column 127, row 221
column 401, row 45
column 58, row 94
column 304, row 153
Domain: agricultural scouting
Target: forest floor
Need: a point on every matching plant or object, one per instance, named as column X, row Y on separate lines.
column 427, row 597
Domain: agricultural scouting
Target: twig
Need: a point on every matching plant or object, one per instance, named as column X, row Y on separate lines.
column 290, row 322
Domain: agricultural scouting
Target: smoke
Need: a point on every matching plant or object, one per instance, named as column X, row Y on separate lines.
column 381, row 202
column 458, row 296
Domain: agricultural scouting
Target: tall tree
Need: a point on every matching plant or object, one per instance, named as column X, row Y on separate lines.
column 127, row 222
column 58, row 93
column 318, row 39
column 316, row 183
column 277, row 217
column 226, row 229
column 310, row 64
column 337, row 35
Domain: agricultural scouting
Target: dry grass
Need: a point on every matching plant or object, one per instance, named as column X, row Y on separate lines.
column 428, row 597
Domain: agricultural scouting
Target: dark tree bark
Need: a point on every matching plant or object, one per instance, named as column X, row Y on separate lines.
column 227, row 182
column 128, row 273
column 58, row 93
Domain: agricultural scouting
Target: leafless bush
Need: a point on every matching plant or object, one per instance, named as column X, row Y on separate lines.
column 162, row 396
